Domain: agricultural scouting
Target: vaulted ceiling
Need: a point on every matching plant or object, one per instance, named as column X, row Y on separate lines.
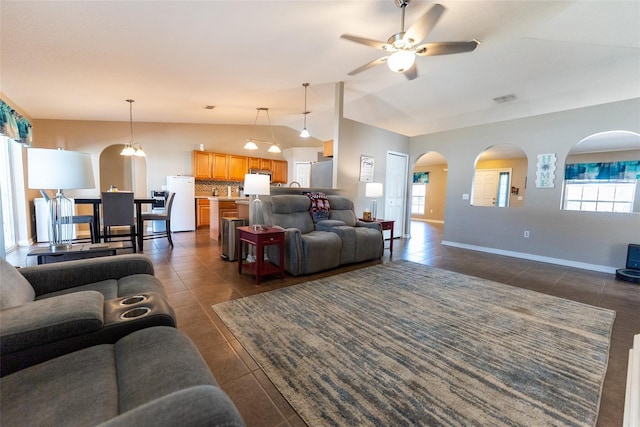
column 81, row 60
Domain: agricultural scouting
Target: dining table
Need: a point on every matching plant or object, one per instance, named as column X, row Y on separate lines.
column 96, row 202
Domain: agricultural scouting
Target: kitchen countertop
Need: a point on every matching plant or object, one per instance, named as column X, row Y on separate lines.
column 225, row 198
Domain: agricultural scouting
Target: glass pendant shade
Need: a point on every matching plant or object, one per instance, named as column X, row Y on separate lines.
column 274, row 149
column 305, row 133
column 132, row 149
column 250, row 145
column 401, row 61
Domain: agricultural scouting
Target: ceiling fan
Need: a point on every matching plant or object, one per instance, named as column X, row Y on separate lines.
column 403, row 47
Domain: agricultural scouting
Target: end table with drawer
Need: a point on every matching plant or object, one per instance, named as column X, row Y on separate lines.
column 260, row 237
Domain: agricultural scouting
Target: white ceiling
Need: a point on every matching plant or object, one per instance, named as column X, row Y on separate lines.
column 81, row 60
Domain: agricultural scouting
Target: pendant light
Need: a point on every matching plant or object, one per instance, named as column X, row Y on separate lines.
column 132, row 149
column 305, row 132
column 251, row 142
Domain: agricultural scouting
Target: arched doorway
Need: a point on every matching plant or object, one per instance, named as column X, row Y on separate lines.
column 429, row 188
column 127, row 173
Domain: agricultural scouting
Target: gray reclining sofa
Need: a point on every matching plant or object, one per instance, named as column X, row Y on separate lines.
column 152, row 377
column 315, row 244
column 54, row 309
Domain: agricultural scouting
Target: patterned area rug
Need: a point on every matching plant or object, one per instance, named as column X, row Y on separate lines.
column 403, row 344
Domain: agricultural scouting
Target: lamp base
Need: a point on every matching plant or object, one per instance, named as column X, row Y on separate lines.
column 59, row 247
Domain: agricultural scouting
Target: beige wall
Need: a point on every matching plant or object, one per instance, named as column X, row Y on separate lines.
column 436, row 198
column 168, row 146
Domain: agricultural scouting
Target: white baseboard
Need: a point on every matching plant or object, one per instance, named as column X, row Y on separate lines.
column 532, row 257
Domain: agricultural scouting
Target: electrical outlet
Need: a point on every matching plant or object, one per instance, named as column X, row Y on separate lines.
column 526, row 234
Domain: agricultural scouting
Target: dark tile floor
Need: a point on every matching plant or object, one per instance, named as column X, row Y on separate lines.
column 196, row 277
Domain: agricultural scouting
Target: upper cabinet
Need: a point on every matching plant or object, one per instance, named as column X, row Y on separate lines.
column 279, row 172
column 259, row 164
column 237, row 168
column 229, row 167
column 220, row 166
column 202, row 164
column 327, row 148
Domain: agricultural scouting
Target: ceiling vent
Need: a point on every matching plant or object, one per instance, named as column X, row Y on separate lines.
column 506, row 98
column 209, row 107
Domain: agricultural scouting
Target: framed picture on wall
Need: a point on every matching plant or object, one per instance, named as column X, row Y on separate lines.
column 366, row 168
column 421, row 177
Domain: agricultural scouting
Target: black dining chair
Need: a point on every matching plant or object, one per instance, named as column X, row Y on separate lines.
column 118, row 211
column 165, row 217
column 76, row 219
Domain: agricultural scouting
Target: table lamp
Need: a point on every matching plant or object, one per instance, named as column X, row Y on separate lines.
column 257, row 185
column 373, row 190
column 60, row 170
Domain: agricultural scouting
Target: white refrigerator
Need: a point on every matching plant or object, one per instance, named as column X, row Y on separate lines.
column 183, row 211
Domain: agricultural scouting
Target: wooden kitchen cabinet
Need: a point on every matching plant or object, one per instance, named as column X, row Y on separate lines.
column 220, row 168
column 279, row 172
column 253, row 163
column 203, row 213
column 237, row 167
column 202, row 164
column 258, row 163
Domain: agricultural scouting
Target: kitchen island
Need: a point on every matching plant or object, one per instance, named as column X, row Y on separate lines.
column 220, row 207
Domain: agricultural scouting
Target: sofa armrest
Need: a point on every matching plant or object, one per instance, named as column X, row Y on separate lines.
column 55, row 277
column 203, row 405
column 51, row 319
column 374, row 225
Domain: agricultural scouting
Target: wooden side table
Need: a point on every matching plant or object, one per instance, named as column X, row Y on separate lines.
column 260, row 238
column 385, row 224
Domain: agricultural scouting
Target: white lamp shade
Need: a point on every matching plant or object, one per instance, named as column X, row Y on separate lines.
column 59, row 169
column 373, row 189
column 256, row 184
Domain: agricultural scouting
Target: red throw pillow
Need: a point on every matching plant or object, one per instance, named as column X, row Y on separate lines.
column 320, row 208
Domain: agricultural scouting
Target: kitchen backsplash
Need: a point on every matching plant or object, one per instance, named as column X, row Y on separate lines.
column 207, row 187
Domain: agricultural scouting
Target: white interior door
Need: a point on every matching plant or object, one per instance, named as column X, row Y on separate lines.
column 485, row 187
column 395, row 191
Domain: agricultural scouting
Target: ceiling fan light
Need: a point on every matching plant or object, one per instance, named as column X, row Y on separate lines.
column 401, row 61
column 274, row 149
column 305, row 133
column 250, row 145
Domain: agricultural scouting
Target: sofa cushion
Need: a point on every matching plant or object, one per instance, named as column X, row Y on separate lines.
column 79, row 388
column 112, row 288
column 342, row 210
column 51, row 319
column 289, row 211
column 320, row 207
column 14, row 288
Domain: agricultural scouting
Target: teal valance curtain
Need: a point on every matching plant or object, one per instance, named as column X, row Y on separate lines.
column 13, row 125
column 605, row 171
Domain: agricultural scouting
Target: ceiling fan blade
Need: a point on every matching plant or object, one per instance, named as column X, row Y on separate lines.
column 423, row 26
column 412, row 72
column 367, row 42
column 369, row 65
column 446, row 48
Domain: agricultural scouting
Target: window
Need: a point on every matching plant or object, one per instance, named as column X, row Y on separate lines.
column 599, row 196
column 6, row 190
column 601, row 187
column 418, row 197
column 503, row 190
